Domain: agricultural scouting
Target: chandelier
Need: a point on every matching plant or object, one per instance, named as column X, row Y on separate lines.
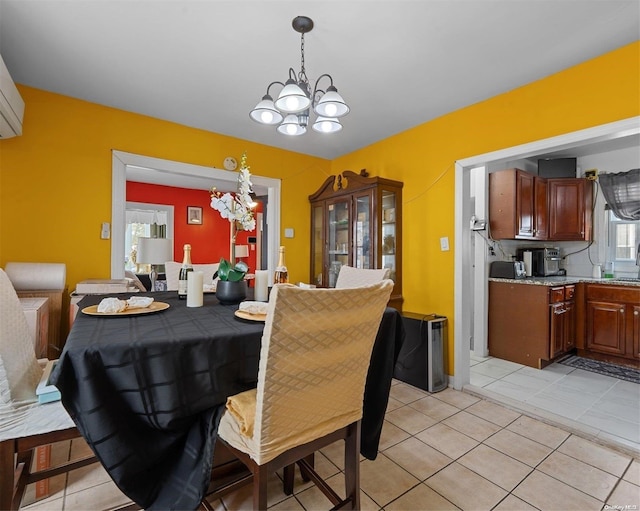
column 291, row 110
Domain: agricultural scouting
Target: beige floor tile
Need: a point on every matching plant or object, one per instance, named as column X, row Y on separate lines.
column 465, row 488
column 545, row 492
column 456, row 398
column 383, row 480
column 632, row 474
column 243, row 498
column 447, row 440
column 518, row 447
column 323, row 467
column 312, row 498
column 409, row 419
column 493, row 413
column 418, row 458
column 216, row 505
column 391, row 435
column 86, row 477
column 495, row 466
column 625, row 496
column 420, row 498
column 595, row 455
column 80, row 449
column 103, row 496
column 578, row 474
column 335, row 453
column 50, row 504
column 434, row 408
column 392, row 404
column 290, row 504
column 406, row 393
column 513, row 503
column 475, row 427
column 538, row 431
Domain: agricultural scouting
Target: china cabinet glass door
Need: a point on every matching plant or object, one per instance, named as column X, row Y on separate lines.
column 362, row 249
column 389, row 231
column 338, row 237
column 317, row 244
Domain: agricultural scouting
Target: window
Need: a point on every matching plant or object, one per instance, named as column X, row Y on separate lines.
column 144, row 220
column 623, row 239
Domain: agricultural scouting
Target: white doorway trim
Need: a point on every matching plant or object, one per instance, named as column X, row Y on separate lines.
column 464, row 275
column 146, row 165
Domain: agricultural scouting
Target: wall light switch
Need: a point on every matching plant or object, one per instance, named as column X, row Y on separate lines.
column 105, row 232
column 288, row 233
column 444, row 243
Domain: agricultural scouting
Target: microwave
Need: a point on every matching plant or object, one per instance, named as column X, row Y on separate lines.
column 545, row 262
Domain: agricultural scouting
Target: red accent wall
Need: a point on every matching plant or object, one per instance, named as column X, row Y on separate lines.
column 209, row 241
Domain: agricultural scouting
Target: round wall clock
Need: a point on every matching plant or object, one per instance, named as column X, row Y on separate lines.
column 230, row 163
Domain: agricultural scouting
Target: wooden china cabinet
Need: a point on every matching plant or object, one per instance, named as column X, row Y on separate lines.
column 357, row 220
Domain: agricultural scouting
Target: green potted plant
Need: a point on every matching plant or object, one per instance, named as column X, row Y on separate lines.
column 231, row 288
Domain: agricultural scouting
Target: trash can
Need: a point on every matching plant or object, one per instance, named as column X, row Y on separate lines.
column 423, row 357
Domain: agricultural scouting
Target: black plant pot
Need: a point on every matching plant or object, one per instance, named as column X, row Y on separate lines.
column 231, row 293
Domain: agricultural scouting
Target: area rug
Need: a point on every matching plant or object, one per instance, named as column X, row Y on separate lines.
column 595, row 366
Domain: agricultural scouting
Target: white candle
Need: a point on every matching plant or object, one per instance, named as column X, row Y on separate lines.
column 195, row 288
column 261, row 292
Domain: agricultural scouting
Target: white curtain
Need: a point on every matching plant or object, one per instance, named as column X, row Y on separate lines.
column 156, row 219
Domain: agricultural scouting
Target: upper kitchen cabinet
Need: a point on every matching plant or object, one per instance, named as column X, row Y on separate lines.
column 356, row 220
column 570, row 209
column 517, row 205
column 527, row 207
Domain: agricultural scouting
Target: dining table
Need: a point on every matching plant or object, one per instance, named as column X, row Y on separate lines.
column 146, row 389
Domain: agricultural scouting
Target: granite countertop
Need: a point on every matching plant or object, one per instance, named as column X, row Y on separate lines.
column 561, row 280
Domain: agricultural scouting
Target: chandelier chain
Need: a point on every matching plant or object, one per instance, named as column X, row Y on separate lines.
column 302, row 76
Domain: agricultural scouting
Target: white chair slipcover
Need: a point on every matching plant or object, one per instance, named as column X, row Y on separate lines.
column 350, row 277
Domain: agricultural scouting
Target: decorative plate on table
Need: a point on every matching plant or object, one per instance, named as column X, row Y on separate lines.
column 92, row 310
column 250, row 317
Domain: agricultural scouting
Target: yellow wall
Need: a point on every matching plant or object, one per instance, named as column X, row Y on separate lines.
column 599, row 91
column 55, row 180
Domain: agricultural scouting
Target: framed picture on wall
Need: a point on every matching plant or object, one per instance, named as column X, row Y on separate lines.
column 194, row 215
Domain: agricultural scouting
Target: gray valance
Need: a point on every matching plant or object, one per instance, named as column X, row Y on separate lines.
column 622, row 192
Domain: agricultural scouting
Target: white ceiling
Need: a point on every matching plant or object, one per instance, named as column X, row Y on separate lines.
column 397, row 63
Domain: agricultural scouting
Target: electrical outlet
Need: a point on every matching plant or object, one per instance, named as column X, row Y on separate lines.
column 591, row 174
column 492, row 251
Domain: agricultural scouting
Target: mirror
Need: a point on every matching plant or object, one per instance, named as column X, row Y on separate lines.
column 145, row 169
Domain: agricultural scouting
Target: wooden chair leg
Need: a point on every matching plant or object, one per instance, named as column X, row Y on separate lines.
column 7, row 475
column 352, row 466
column 260, row 477
column 288, row 475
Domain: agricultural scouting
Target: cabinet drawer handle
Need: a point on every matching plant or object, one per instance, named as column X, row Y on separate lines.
column 621, row 311
column 635, row 313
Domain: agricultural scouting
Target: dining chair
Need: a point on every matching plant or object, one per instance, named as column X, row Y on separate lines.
column 350, row 277
column 314, row 358
column 25, row 424
column 172, row 272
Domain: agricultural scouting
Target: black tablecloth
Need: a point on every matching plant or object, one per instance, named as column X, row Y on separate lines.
column 147, row 391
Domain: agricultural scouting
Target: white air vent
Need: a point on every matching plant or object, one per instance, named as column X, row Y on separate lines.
column 11, row 105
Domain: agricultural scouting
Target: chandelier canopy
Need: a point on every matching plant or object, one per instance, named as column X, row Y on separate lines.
column 291, row 110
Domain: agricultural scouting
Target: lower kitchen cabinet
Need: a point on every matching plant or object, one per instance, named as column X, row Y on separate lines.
column 531, row 324
column 612, row 316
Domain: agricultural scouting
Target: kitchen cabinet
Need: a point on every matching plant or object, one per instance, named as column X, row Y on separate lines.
column 517, row 205
column 527, row 207
column 570, row 209
column 562, row 320
column 612, row 315
column 356, row 220
column 531, row 324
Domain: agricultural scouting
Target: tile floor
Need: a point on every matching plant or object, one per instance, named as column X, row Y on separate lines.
column 596, row 405
column 443, row 451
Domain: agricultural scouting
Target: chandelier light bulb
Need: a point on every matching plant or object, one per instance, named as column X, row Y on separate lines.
column 265, row 112
column 327, row 125
column 331, row 104
column 290, row 126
